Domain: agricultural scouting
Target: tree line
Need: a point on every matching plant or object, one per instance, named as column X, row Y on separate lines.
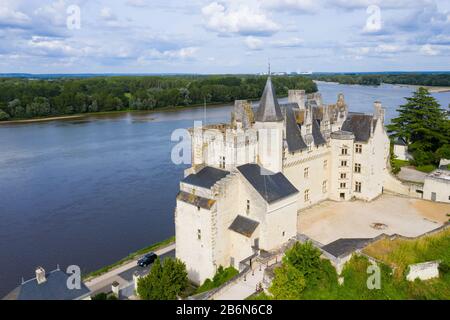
column 419, row 79
column 31, row 98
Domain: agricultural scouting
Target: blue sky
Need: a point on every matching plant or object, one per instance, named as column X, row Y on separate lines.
column 203, row 36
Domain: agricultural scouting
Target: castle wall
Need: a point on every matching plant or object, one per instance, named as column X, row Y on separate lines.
column 318, row 163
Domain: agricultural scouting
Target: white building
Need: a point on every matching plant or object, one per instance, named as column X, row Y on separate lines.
column 251, row 178
column 436, row 186
column 401, row 150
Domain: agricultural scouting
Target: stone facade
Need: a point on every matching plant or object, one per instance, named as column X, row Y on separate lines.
column 251, row 178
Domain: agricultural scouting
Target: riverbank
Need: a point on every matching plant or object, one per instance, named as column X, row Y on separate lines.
column 110, row 113
column 431, row 89
column 154, row 247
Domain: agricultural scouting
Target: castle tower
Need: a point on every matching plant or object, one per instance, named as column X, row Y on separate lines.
column 269, row 124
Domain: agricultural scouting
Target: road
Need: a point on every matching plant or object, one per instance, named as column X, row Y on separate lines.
column 124, row 274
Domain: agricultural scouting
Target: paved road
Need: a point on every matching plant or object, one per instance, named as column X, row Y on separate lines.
column 124, row 274
column 128, row 274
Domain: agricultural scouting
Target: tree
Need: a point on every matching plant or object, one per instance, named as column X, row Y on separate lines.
column 165, row 281
column 305, row 258
column 423, row 125
column 288, row 283
column 3, row 115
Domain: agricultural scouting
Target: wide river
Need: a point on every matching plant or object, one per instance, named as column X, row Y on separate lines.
column 90, row 191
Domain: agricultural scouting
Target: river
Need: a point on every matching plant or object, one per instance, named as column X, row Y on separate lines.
column 90, row 191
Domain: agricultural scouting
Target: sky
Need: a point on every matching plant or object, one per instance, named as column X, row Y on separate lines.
column 229, row 36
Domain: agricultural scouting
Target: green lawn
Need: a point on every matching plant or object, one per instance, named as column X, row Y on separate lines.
column 399, row 253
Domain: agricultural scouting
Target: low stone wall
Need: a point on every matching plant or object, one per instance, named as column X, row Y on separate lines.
column 423, row 271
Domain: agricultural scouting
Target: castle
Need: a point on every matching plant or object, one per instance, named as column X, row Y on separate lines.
column 251, row 178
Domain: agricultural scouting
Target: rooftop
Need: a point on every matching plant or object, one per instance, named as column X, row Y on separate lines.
column 206, row 178
column 269, row 109
column 272, row 187
column 344, row 246
column 54, row 288
column 440, row 174
column 244, row 226
column 360, row 125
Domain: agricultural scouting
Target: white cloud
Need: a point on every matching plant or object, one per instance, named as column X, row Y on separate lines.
column 239, row 19
column 183, row 53
column 12, row 18
column 305, row 6
column 288, row 43
column 429, row 50
column 253, row 43
column 137, row 3
column 107, row 14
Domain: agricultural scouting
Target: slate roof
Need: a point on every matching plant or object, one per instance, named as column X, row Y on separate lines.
column 271, row 187
column 317, row 135
column 55, row 288
column 294, row 137
column 206, row 177
column 195, row 200
column 345, row 246
column 244, row 226
column 360, row 125
column 269, row 109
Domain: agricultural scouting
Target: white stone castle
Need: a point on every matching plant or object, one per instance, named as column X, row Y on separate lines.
column 250, row 179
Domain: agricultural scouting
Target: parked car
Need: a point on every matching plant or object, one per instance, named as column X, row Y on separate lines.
column 147, row 260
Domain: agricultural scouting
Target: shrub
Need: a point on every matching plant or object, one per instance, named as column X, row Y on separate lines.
column 288, row 283
column 222, row 275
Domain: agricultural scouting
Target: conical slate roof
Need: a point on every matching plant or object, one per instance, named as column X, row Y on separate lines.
column 269, row 110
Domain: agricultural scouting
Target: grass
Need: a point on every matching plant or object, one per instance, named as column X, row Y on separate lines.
column 401, row 253
column 130, row 257
column 398, row 253
column 400, row 163
column 222, row 276
column 426, row 168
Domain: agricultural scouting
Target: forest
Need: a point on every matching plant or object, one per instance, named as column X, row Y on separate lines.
column 418, row 79
column 32, row 98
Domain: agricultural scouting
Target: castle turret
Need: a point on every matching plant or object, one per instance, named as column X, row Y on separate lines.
column 269, row 123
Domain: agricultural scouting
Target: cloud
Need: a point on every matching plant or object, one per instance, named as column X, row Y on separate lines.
column 239, row 19
column 429, row 50
column 12, row 18
column 253, row 43
column 181, row 54
column 288, row 43
column 293, row 6
column 107, row 14
column 137, row 3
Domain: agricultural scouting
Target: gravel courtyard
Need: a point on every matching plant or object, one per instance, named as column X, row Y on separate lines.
column 329, row 220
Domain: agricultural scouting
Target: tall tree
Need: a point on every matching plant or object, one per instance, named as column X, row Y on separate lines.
column 165, row 281
column 423, row 125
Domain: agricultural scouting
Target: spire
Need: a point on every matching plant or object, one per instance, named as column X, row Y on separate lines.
column 269, row 110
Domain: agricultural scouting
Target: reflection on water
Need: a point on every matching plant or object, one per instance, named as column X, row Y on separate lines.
column 89, row 191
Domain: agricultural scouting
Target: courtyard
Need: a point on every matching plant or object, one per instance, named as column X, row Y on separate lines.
column 329, row 220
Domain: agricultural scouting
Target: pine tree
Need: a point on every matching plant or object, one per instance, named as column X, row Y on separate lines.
column 423, row 125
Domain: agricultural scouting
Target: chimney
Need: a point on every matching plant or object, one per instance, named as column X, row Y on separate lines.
column 297, row 96
column 40, row 275
column 378, row 111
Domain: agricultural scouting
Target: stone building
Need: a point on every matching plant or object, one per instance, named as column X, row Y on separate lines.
column 252, row 177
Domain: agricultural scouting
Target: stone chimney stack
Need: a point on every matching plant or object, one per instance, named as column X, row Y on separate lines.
column 297, row 96
column 378, row 111
column 40, row 275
